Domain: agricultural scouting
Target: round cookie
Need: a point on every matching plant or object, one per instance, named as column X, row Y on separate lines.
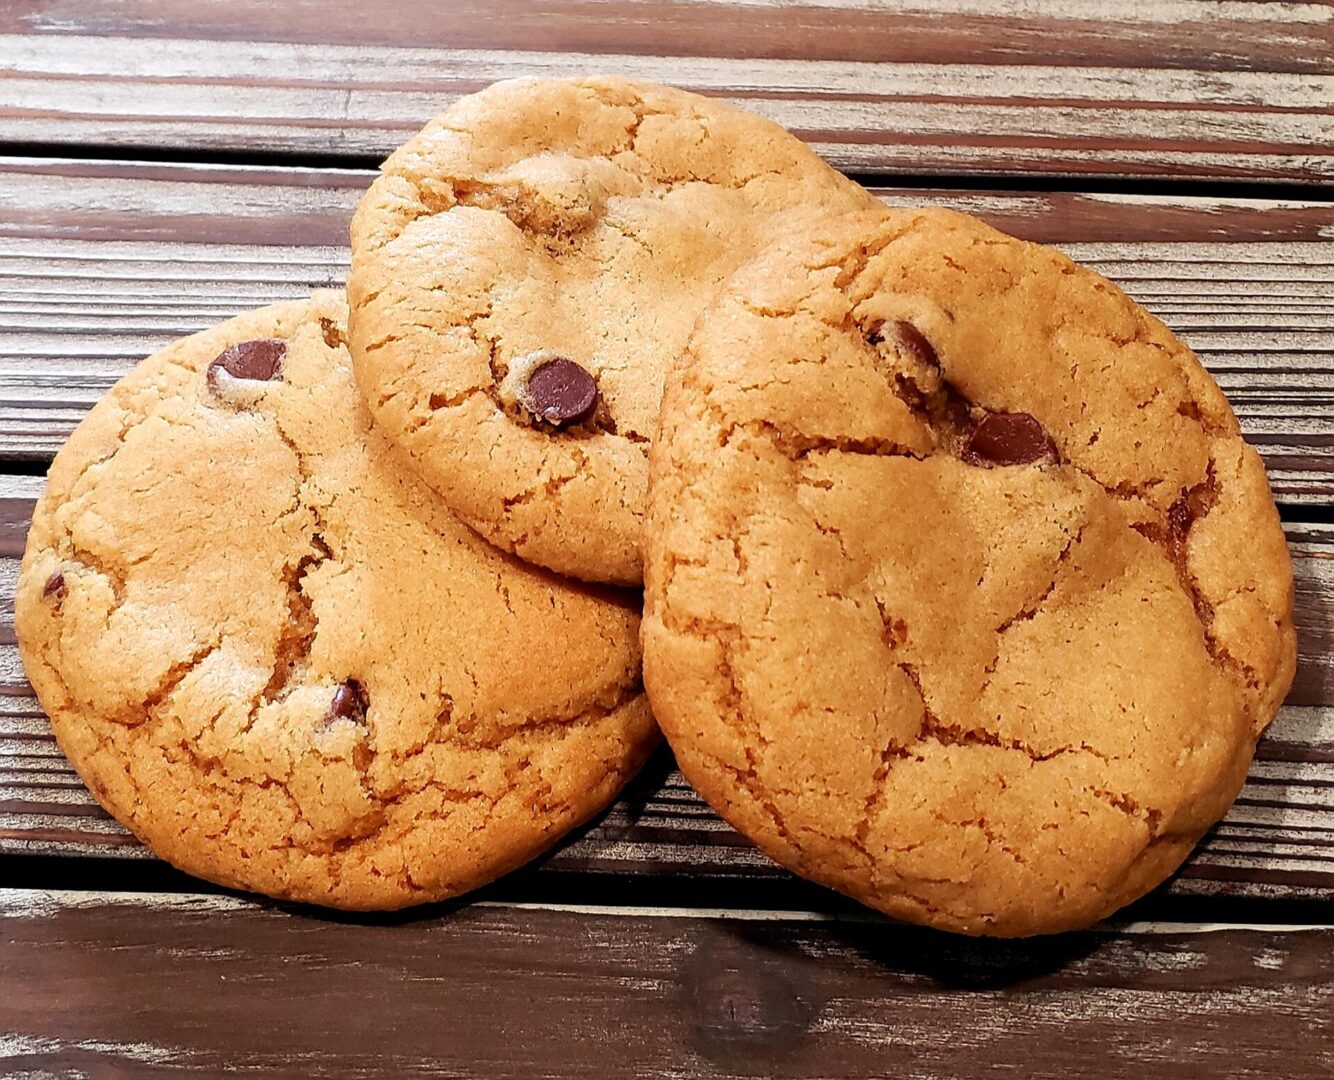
column 964, row 595
column 277, row 658
column 587, row 221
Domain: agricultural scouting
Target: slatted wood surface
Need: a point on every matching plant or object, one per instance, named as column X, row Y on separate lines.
column 167, row 163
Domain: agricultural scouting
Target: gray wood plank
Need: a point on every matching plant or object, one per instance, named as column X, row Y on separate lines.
column 104, row 261
column 120, row 985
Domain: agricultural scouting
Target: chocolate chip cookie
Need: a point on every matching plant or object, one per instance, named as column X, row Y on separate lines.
column 964, row 595
column 276, row 657
column 524, row 271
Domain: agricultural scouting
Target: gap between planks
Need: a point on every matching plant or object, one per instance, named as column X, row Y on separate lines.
column 43, row 903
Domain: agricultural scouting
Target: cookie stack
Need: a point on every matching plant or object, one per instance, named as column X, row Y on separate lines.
column 962, row 593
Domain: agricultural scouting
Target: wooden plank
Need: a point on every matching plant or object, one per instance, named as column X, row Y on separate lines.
column 210, row 984
column 1277, row 841
column 185, row 202
column 1224, row 36
column 104, row 261
column 930, row 86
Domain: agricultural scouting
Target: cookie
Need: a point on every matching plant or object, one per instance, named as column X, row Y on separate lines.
column 525, row 270
column 276, row 657
column 964, row 595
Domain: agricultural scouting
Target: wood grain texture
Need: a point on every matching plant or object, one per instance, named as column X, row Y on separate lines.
column 1226, row 36
column 119, row 985
column 185, row 202
column 104, row 261
column 1277, row 841
column 931, row 86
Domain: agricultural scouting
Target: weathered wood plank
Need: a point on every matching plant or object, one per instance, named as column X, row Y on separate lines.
column 105, row 984
column 1277, row 842
column 1215, row 89
column 105, row 261
column 1226, row 36
column 79, row 198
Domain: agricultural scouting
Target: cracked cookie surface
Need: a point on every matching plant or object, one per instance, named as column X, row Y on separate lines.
column 589, row 219
column 964, row 595
column 274, row 655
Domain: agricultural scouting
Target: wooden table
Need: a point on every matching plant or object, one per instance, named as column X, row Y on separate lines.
column 167, row 164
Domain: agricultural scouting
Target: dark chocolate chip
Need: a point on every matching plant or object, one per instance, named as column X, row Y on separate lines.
column 349, row 703
column 55, row 586
column 559, row 390
column 259, row 361
column 909, row 339
column 914, row 342
column 1006, row 438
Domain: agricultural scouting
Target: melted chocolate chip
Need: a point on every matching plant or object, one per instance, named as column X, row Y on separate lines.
column 259, row 361
column 1191, row 505
column 1006, row 438
column 560, row 391
column 908, row 338
column 914, row 342
column 55, row 586
column 349, row 703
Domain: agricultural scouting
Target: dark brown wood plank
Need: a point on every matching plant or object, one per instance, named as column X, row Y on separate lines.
column 1276, row 843
column 1174, row 88
column 107, row 985
column 104, row 261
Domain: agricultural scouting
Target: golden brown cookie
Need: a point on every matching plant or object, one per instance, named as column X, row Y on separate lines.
column 525, row 270
column 964, row 595
column 277, row 658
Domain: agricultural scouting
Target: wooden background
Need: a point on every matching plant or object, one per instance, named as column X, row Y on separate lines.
column 166, row 164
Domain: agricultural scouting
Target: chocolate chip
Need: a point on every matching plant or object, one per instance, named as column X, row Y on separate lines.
column 55, row 586
column 908, row 338
column 560, row 391
column 914, row 342
column 349, row 703
column 1006, row 438
column 258, row 361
